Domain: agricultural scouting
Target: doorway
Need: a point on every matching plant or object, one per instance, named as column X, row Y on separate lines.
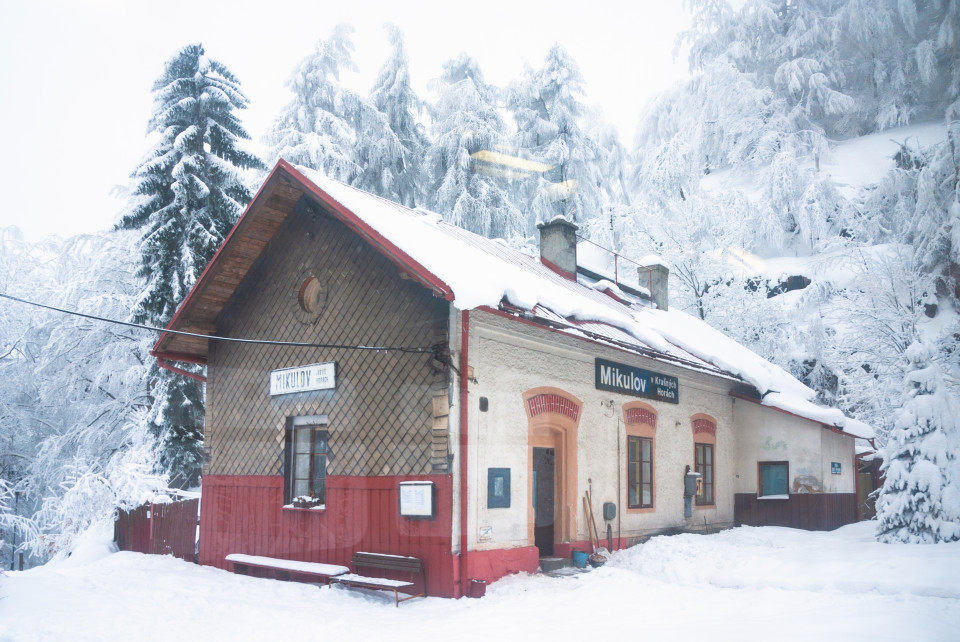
column 544, row 491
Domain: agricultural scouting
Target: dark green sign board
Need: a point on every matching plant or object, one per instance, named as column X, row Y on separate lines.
column 619, row 377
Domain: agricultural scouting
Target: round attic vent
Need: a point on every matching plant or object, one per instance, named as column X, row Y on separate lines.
column 313, row 296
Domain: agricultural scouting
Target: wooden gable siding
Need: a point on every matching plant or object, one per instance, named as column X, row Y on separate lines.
column 381, row 414
column 245, row 243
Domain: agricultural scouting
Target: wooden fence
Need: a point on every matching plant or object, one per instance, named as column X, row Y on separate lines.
column 159, row 529
column 812, row 512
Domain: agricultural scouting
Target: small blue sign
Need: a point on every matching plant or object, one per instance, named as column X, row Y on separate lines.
column 498, row 488
column 835, row 467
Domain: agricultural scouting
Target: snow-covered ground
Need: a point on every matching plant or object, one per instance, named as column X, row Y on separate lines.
column 742, row 584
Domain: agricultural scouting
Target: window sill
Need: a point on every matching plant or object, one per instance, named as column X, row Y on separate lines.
column 641, row 509
column 773, row 497
column 319, row 508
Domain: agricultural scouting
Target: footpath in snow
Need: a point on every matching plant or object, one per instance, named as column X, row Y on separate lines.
column 742, row 584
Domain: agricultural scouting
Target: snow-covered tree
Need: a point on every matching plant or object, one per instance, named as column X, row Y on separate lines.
column 920, row 498
column 189, row 190
column 71, row 389
column 547, row 106
column 614, row 165
column 188, row 194
column 318, row 128
column 391, row 141
column 467, row 119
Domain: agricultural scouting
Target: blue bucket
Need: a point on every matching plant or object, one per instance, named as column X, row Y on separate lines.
column 579, row 559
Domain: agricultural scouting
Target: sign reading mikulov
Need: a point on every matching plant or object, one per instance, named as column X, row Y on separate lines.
column 316, row 376
column 619, row 377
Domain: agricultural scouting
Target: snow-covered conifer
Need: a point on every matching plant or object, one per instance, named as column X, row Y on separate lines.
column 391, row 141
column 920, row 498
column 318, row 127
column 546, row 105
column 467, row 120
column 188, row 194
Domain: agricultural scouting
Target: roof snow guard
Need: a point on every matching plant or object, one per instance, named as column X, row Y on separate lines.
column 475, row 272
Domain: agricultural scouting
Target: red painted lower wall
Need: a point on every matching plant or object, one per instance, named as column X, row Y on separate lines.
column 244, row 514
column 492, row 565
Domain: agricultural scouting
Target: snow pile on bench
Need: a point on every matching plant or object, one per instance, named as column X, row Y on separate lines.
column 296, row 566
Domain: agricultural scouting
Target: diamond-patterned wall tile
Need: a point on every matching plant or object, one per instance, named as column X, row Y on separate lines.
column 382, row 411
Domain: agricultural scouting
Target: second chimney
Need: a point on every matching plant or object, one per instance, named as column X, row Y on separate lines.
column 558, row 246
column 655, row 275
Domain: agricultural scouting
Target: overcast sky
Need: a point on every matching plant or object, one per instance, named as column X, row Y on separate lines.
column 75, row 75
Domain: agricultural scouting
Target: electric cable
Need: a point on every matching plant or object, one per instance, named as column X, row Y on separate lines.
column 296, row 344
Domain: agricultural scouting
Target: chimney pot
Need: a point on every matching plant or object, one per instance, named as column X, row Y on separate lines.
column 656, row 277
column 558, row 246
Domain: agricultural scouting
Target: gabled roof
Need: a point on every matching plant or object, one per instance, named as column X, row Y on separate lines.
column 472, row 272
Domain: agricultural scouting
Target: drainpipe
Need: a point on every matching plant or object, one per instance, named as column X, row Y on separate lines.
column 464, row 382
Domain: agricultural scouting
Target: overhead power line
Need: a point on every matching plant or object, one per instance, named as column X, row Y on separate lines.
column 421, row 350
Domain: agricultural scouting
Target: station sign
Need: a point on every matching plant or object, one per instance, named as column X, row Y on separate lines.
column 619, row 377
column 316, row 376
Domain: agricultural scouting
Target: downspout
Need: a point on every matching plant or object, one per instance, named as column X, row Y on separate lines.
column 464, row 382
column 856, row 480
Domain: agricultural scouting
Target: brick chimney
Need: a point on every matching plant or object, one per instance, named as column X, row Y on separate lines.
column 655, row 276
column 558, row 246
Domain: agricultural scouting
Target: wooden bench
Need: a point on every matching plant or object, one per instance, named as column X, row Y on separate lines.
column 397, row 563
column 287, row 570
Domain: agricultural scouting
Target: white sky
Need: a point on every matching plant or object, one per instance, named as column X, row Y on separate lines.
column 75, row 76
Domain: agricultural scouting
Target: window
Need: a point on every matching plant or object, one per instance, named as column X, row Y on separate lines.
column 774, row 478
column 306, row 461
column 704, row 466
column 640, row 422
column 639, row 472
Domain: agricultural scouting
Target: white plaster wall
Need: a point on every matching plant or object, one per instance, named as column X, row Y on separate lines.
column 509, row 358
column 838, row 448
column 767, row 435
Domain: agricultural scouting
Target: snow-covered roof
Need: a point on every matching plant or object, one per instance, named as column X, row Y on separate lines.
column 481, row 272
column 473, row 272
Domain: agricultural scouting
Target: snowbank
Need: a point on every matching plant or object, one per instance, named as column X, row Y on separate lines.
column 735, row 585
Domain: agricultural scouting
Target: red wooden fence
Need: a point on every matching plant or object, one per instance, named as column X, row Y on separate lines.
column 159, row 529
column 813, row 512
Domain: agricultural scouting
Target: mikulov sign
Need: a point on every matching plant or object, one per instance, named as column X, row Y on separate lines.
column 316, row 376
column 619, row 377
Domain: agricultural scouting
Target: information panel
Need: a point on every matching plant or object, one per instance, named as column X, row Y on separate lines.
column 619, row 377
column 416, row 499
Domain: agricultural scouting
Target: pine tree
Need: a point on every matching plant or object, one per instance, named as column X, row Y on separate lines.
column 546, row 105
column 317, row 128
column 920, row 498
column 188, row 194
column 467, row 120
column 391, row 141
